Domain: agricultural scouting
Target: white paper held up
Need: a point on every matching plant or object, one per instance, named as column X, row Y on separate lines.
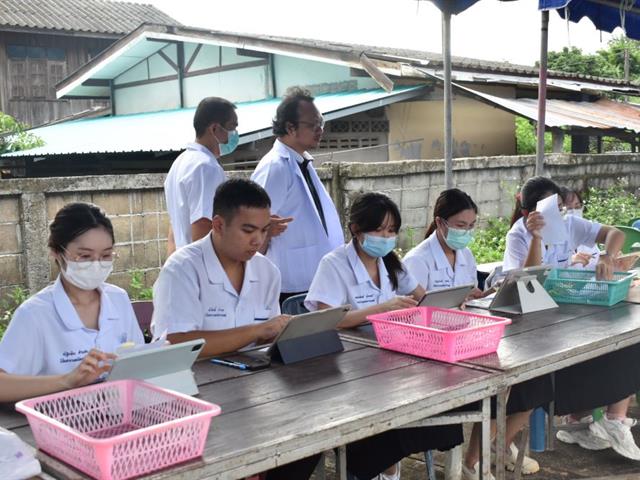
column 554, row 231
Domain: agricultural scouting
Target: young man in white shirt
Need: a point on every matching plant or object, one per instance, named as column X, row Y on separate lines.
column 219, row 287
column 196, row 173
column 288, row 176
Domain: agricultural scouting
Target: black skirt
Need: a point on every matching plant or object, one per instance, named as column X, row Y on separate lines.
column 598, row 382
column 368, row 457
column 525, row 396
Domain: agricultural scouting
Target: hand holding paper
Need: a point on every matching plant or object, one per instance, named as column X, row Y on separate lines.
column 554, row 231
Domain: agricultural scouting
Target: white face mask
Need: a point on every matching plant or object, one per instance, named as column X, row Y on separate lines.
column 576, row 212
column 87, row 275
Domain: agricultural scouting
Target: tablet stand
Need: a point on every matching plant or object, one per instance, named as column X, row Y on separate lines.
column 525, row 295
column 309, row 346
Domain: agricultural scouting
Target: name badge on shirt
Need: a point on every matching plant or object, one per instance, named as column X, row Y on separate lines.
column 72, row 356
column 365, row 298
column 216, row 312
column 442, row 283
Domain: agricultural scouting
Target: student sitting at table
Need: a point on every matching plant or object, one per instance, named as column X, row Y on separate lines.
column 65, row 335
column 367, row 274
column 606, row 380
column 583, row 257
column 221, row 289
column 443, row 260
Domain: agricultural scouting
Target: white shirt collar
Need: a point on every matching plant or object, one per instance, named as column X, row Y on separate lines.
column 216, row 273
column 442, row 262
column 360, row 271
column 68, row 314
column 287, row 150
column 201, row 148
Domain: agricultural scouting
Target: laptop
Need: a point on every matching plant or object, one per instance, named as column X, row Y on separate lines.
column 305, row 336
column 167, row 366
column 451, row 297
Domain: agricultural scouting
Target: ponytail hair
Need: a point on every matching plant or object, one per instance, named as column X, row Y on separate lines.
column 449, row 203
column 367, row 214
column 533, row 190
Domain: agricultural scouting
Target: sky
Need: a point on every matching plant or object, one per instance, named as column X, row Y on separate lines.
column 489, row 30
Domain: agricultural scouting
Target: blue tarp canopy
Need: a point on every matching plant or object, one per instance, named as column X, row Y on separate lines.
column 605, row 14
column 454, row 6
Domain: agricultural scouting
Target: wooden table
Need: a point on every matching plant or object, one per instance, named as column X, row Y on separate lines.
column 545, row 342
column 285, row 413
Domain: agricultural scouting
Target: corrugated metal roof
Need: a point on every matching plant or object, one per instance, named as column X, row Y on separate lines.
column 584, row 86
column 112, row 62
column 602, row 114
column 172, row 130
column 91, row 16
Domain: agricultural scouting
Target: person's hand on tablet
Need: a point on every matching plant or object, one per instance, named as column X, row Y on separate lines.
column 90, row 369
column 268, row 330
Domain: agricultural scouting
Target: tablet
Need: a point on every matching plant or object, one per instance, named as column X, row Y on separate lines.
column 451, row 297
column 310, row 323
column 167, row 367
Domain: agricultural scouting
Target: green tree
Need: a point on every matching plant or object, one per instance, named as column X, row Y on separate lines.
column 14, row 137
column 526, row 140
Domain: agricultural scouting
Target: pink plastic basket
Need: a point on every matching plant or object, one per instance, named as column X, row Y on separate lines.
column 438, row 333
column 118, row 430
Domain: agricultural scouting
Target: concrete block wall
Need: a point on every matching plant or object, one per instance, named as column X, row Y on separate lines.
column 11, row 245
column 136, row 206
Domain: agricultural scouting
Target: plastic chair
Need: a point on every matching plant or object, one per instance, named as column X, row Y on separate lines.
column 294, row 305
column 631, row 237
column 144, row 312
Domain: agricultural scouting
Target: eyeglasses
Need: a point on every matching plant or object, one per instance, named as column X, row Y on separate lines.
column 469, row 228
column 317, row 125
column 84, row 260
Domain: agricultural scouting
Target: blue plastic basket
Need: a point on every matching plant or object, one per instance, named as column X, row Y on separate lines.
column 580, row 286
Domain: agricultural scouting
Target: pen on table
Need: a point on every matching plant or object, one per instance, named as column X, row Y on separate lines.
column 219, row 361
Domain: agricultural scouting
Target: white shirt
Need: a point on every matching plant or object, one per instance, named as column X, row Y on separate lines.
column 189, row 189
column 581, row 232
column 429, row 265
column 47, row 337
column 343, row 279
column 298, row 251
column 193, row 292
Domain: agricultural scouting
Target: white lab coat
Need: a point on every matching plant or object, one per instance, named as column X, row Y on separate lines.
column 298, row 251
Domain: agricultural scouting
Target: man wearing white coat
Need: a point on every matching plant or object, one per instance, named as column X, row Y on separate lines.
column 297, row 194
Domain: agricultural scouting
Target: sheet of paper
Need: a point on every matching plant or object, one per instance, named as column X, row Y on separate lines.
column 555, row 230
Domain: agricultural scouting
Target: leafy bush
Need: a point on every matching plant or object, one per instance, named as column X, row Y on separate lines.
column 489, row 242
column 14, row 299
column 137, row 289
column 611, row 206
column 13, row 136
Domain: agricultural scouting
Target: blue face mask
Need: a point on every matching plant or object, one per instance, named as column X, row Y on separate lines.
column 457, row 238
column 376, row 246
column 232, row 142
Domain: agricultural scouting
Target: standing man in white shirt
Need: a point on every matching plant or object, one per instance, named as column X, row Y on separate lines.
column 194, row 176
column 288, row 176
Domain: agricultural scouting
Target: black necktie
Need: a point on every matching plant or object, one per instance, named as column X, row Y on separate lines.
column 304, row 168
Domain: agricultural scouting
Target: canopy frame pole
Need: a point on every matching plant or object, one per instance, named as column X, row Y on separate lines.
column 448, row 134
column 542, row 90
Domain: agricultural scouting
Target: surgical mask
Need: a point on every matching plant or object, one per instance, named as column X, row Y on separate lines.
column 87, row 275
column 576, row 212
column 376, row 246
column 233, row 138
column 457, row 238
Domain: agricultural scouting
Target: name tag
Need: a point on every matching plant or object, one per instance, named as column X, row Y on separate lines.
column 216, row 312
column 73, row 356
